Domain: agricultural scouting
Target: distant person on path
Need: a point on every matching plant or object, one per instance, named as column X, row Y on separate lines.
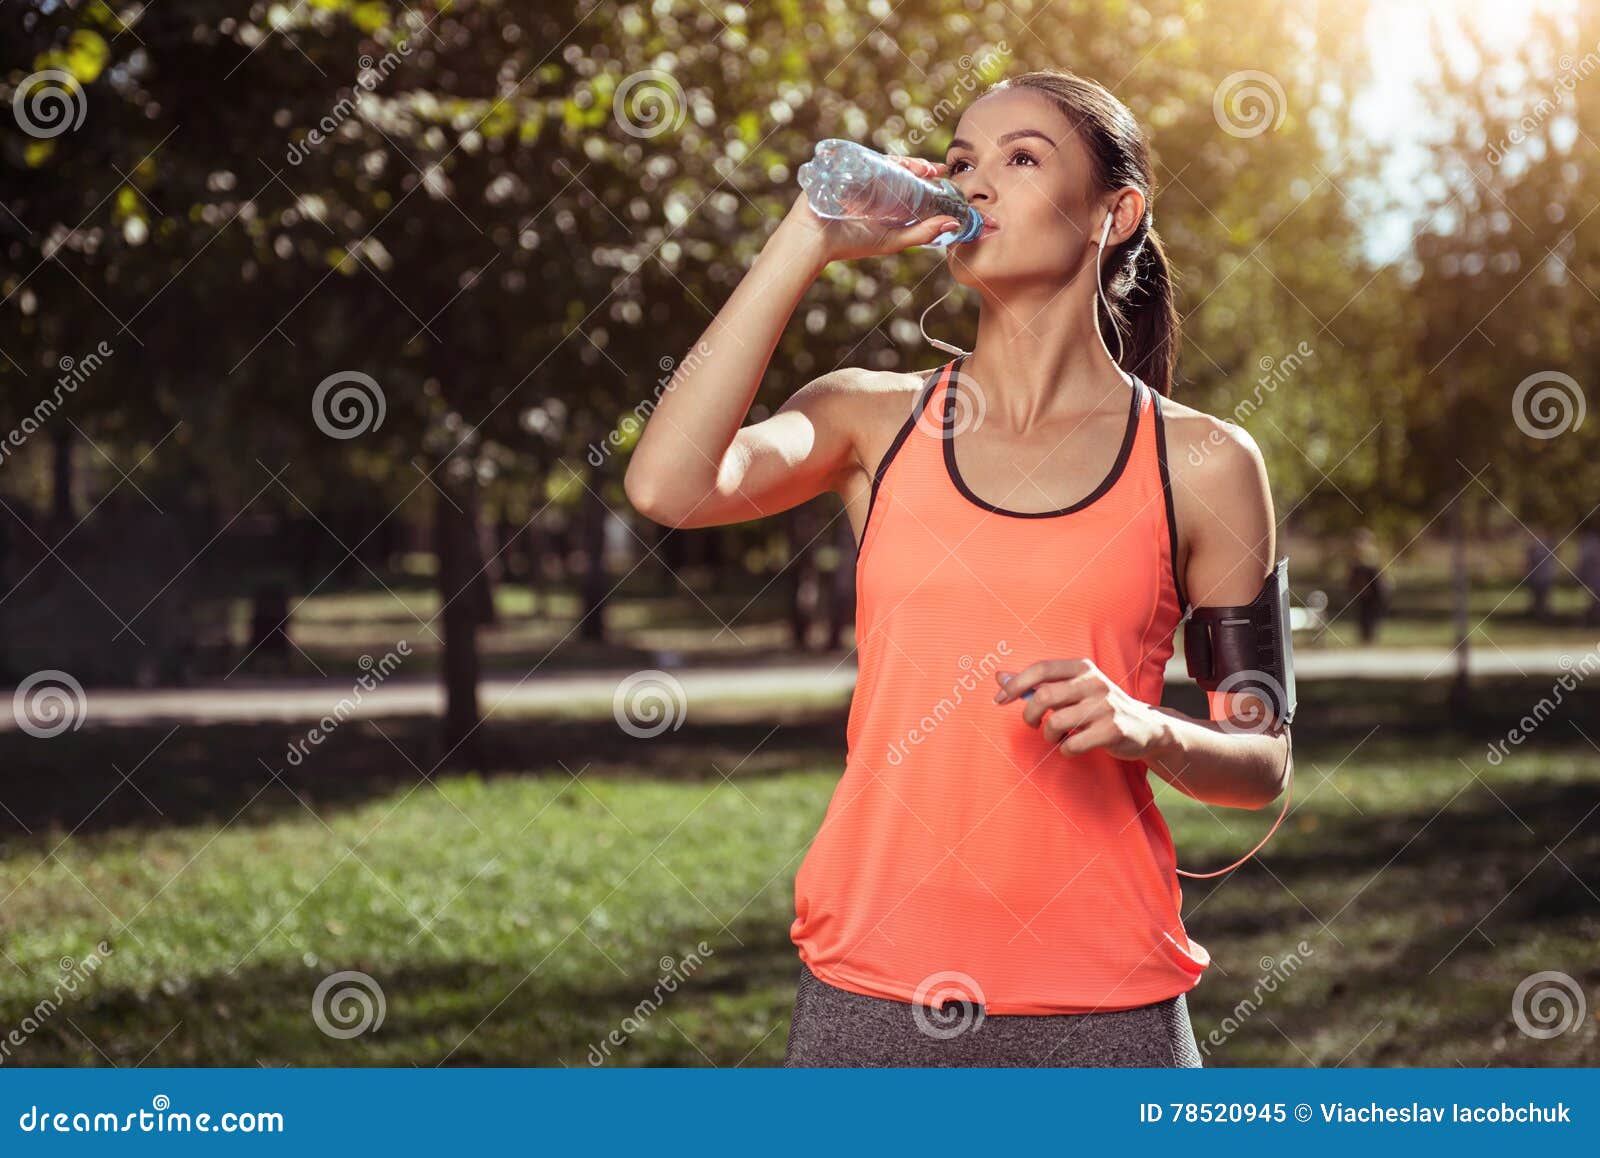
column 1368, row 587
column 1589, row 567
column 1541, row 563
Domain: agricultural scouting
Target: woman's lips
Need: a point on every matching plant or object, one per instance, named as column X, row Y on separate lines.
column 990, row 226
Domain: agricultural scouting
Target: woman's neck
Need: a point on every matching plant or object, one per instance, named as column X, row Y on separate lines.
column 1038, row 355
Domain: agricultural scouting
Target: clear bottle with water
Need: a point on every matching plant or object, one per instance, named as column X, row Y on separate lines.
column 847, row 180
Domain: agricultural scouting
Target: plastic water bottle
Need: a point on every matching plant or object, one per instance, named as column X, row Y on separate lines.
column 847, row 180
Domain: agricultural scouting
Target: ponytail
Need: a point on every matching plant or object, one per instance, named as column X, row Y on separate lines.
column 1150, row 349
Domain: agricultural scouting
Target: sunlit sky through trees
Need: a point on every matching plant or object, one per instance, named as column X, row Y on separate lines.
column 1406, row 57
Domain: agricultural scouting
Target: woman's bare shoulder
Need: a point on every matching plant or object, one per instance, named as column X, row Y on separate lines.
column 1203, row 446
column 1221, row 495
column 875, row 405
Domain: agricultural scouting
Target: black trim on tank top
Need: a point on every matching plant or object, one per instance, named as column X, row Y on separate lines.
column 1166, row 491
column 1123, row 454
column 900, row 437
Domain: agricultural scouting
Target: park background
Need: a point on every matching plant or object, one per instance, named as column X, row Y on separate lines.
column 359, row 720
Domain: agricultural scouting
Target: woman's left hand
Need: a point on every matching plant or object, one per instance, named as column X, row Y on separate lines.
column 1080, row 707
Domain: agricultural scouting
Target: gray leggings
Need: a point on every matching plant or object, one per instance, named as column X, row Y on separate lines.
column 835, row 1027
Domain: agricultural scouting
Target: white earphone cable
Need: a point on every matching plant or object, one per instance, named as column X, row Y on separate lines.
column 1099, row 289
column 935, row 342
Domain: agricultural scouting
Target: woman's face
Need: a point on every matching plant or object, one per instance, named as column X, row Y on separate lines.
column 1017, row 158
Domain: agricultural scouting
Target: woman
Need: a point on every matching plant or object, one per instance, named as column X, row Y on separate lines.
column 993, row 884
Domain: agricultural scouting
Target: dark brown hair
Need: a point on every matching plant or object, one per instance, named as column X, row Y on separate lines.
column 1135, row 275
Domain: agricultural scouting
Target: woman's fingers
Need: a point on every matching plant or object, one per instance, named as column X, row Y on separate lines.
column 1026, row 679
column 927, row 230
column 919, row 233
column 1015, row 684
column 1054, row 697
column 919, row 166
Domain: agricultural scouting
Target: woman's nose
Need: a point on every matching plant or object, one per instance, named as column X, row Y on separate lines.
column 974, row 186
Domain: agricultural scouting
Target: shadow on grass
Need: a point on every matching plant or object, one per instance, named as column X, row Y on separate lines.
column 1428, row 907
column 730, row 1008
column 1432, row 902
column 1423, row 939
column 204, row 774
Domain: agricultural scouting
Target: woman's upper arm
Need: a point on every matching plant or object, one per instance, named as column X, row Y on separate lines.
column 1223, row 502
column 806, row 447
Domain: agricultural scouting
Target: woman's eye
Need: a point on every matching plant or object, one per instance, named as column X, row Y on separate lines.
column 955, row 165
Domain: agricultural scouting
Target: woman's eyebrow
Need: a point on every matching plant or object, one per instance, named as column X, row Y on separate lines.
column 958, row 143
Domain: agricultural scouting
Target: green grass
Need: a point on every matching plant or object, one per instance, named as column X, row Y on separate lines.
column 520, row 916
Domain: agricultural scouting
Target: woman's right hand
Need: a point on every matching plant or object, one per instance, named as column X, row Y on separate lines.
column 851, row 238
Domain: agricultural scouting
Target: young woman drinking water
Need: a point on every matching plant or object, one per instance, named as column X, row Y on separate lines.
column 993, row 883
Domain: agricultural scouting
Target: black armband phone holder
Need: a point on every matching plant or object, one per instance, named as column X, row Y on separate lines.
column 1246, row 649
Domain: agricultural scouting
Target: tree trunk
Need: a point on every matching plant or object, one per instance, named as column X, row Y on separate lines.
column 805, row 591
column 592, row 541
column 842, row 584
column 672, row 546
column 307, row 540
column 1461, row 688
column 455, row 542
column 63, row 507
column 486, row 566
column 535, row 544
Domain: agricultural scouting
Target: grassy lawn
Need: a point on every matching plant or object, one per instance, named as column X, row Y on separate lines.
column 518, row 917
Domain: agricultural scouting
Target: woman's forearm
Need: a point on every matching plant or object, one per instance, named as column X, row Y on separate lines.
column 698, row 415
column 1216, row 766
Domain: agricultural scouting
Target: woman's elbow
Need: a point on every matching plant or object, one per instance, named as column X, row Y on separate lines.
column 644, row 495
column 1281, row 763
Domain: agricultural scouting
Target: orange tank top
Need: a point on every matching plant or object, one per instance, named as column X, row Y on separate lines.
column 961, row 850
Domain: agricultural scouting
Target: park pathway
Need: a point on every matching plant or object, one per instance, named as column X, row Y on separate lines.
column 240, row 700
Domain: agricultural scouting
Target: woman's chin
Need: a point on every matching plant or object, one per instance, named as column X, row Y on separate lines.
column 974, row 250
column 967, row 260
